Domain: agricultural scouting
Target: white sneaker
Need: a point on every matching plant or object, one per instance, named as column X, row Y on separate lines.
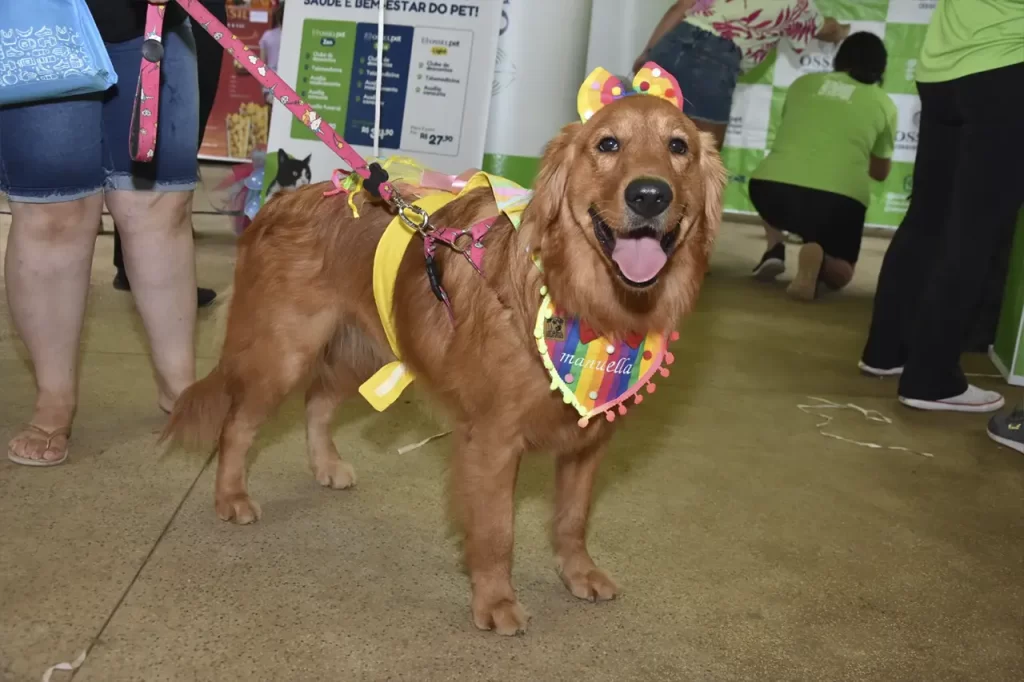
column 973, row 399
column 878, row 371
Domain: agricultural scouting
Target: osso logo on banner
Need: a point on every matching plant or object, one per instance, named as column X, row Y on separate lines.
column 907, row 128
column 911, row 11
column 818, row 57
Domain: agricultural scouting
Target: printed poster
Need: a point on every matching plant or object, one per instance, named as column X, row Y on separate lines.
column 438, row 68
column 239, row 122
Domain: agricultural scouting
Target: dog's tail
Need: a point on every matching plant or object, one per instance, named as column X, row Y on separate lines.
column 199, row 413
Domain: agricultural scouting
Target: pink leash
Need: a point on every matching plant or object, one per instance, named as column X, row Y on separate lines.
column 375, row 179
column 146, row 112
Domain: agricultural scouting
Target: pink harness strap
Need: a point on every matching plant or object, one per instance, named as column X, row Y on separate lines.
column 146, row 112
column 377, row 179
column 468, row 242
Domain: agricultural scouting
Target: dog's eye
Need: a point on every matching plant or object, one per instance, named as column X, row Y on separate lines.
column 677, row 146
column 608, row 144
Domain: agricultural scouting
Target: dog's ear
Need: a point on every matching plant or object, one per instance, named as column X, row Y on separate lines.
column 714, row 177
column 553, row 179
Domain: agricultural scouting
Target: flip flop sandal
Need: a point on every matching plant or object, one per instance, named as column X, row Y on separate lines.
column 37, row 434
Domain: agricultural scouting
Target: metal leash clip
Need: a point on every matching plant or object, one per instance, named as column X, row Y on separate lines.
column 413, row 216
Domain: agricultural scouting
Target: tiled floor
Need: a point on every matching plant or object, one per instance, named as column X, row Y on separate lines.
column 750, row 546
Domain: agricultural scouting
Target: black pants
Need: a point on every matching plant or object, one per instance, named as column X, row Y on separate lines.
column 968, row 188
column 208, row 56
column 833, row 221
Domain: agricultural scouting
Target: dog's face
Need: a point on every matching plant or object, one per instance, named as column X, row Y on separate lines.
column 629, row 204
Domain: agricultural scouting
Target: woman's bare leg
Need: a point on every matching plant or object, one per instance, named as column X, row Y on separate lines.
column 156, row 233
column 836, row 273
column 49, row 259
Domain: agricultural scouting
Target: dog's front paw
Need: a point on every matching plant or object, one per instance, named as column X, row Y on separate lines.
column 507, row 617
column 239, row 508
column 335, row 473
column 591, row 584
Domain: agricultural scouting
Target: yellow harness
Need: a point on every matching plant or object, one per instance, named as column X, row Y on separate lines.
column 384, row 387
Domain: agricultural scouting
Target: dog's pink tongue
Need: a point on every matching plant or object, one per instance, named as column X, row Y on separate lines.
column 640, row 260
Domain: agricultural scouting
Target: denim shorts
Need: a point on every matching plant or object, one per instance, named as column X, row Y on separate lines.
column 68, row 149
column 706, row 66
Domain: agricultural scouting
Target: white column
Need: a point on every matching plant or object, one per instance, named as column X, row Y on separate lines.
column 619, row 30
column 541, row 63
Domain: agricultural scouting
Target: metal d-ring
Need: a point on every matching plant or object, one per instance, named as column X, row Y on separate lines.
column 463, row 235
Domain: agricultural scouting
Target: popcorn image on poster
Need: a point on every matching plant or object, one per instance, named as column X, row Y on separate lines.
column 911, row 11
column 907, row 128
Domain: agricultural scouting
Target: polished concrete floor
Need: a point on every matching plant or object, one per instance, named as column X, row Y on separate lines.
column 751, row 543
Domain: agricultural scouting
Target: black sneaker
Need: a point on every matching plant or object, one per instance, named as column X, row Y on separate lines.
column 1008, row 429
column 121, row 281
column 773, row 264
column 205, row 297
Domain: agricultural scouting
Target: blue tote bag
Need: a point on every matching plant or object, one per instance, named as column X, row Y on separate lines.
column 50, row 49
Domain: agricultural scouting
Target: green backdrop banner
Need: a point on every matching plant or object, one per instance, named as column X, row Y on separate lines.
column 757, row 105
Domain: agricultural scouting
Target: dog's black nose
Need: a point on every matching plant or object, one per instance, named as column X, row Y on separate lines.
column 648, row 197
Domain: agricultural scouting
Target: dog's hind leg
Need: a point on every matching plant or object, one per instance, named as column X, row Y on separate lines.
column 348, row 360
column 259, row 378
column 322, row 398
column 231, row 495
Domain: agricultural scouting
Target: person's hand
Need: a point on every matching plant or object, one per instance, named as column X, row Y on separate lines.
column 833, row 32
column 641, row 60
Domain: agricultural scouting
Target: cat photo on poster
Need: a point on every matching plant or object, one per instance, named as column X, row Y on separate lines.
column 287, row 172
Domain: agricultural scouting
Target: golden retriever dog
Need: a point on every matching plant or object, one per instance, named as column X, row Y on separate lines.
column 303, row 316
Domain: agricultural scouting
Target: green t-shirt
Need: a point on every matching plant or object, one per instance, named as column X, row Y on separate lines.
column 970, row 36
column 831, row 126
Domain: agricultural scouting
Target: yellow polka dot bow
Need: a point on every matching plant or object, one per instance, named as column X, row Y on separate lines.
column 602, row 88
